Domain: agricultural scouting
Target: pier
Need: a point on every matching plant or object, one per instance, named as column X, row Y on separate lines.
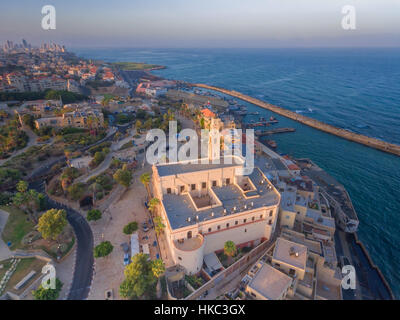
column 343, row 133
column 278, row 130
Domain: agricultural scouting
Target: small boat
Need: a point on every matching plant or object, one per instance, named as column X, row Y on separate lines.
column 272, row 118
column 271, row 143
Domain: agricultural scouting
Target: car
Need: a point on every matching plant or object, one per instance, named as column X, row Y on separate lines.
column 126, row 259
column 125, row 247
column 157, row 256
column 145, row 238
column 155, row 243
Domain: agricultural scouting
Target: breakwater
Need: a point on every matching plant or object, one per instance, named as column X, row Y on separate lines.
column 343, row 133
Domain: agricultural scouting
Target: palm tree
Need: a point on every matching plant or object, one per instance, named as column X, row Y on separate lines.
column 230, row 248
column 145, row 179
column 158, row 268
column 158, row 225
column 153, row 203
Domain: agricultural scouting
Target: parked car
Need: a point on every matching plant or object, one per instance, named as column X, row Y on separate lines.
column 125, row 247
column 155, row 243
column 126, row 259
column 145, row 238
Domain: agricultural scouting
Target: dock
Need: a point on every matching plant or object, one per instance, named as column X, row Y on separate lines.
column 273, row 131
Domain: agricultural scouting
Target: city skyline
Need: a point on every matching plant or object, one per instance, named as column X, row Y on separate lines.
column 155, row 24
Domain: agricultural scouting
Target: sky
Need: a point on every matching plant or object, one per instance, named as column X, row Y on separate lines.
column 203, row 23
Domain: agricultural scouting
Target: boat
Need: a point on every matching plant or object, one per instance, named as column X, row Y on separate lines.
column 271, row 143
column 272, row 118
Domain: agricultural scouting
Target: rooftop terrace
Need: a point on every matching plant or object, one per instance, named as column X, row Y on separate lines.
column 180, row 207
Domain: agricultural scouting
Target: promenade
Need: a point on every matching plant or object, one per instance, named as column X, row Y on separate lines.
column 345, row 134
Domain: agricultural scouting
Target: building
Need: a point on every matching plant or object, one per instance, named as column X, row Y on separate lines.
column 87, row 118
column 205, row 205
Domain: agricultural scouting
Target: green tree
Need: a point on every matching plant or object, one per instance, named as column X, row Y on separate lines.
column 158, row 268
column 76, row 191
column 130, row 228
column 153, row 203
column 22, row 186
column 93, row 215
column 159, row 225
column 145, row 179
column 52, row 223
column 123, row 177
column 139, row 278
column 230, row 248
column 103, row 249
column 138, row 125
column 48, row 294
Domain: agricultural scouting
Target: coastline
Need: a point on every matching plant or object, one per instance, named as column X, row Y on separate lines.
column 316, row 124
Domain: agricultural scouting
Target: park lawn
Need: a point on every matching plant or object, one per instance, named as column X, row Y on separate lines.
column 23, row 268
column 17, row 226
column 133, row 66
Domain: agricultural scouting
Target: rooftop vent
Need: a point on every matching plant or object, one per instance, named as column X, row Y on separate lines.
column 197, row 218
column 212, row 214
column 188, row 219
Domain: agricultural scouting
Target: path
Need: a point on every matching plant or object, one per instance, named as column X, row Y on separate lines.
column 5, row 252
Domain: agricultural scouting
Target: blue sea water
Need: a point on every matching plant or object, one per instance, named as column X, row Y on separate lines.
column 355, row 89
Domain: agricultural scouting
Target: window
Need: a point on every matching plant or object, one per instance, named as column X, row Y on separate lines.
column 252, row 218
column 209, row 229
column 214, row 183
column 182, row 188
column 219, row 227
column 189, row 234
column 261, row 216
column 227, row 225
column 204, row 185
column 244, row 220
column 270, row 222
column 168, row 190
column 193, row 186
column 270, row 213
column 227, row 181
column 245, row 230
column 236, row 222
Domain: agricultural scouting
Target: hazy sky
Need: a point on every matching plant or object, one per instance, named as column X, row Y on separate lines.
column 203, row 23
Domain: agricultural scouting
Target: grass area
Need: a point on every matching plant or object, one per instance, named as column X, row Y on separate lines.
column 6, row 265
column 23, row 268
column 132, row 66
column 17, row 226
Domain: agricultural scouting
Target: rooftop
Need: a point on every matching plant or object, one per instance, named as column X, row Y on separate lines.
column 270, row 282
column 170, row 169
column 180, row 207
column 283, row 253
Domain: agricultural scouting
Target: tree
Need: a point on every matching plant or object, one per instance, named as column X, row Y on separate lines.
column 139, row 277
column 103, row 249
column 145, row 179
column 230, row 248
column 22, row 186
column 138, row 125
column 158, row 225
column 123, row 177
column 130, row 228
column 153, row 203
column 93, row 215
column 48, row 294
column 76, row 191
column 52, row 223
column 158, row 268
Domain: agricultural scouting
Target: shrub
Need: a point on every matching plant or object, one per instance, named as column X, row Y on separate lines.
column 103, row 249
column 130, row 227
column 93, row 215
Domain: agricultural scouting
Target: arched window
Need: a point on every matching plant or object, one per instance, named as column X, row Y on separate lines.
column 189, row 234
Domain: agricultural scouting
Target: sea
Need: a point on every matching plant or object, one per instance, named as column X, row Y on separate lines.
column 356, row 89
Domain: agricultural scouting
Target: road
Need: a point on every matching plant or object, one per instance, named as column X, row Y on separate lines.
column 83, row 272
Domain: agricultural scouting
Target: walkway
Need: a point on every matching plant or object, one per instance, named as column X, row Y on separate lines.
column 5, row 252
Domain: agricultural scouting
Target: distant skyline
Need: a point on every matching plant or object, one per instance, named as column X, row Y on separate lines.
column 203, row 24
